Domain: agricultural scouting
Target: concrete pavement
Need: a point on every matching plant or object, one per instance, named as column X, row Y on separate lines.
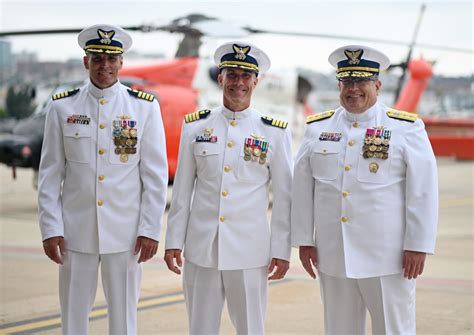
column 29, row 293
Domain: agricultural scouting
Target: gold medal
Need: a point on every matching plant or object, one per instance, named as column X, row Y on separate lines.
column 133, row 133
column 378, row 154
column 129, row 142
column 372, row 148
column 370, row 154
column 373, row 167
column 124, row 158
column 257, row 152
column 262, row 160
column 378, row 141
column 117, row 151
column 125, row 133
column 366, row 154
column 386, row 141
column 247, row 157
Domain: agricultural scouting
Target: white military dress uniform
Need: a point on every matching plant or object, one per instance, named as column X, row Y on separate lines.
column 227, row 161
column 220, row 200
column 101, row 195
column 362, row 212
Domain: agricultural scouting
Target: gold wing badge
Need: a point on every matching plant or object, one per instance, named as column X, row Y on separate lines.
column 240, row 52
column 105, row 36
column 354, row 56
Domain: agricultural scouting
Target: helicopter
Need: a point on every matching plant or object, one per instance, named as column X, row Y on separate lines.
column 188, row 83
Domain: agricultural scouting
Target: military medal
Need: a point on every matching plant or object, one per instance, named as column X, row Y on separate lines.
column 207, row 136
column 255, row 149
column 125, row 137
column 79, row 119
column 326, row 136
column 376, row 143
column 373, row 167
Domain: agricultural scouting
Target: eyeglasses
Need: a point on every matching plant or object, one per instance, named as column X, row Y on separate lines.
column 355, row 81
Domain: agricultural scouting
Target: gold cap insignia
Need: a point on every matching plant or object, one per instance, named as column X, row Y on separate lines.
column 354, row 56
column 105, row 36
column 240, row 52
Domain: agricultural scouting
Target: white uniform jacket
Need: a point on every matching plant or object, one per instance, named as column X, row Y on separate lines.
column 362, row 220
column 220, row 200
column 98, row 199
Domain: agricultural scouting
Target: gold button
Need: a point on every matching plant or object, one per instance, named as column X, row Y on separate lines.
column 227, row 168
column 351, row 143
column 124, row 158
column 102, row 126
column 221, row 218
column 233, row 123
column 101, row 151
column 230, row 144
column 347, row 167
column 224, row 193
column 344, row 219
column 355, row 124
column 100, row 202
column 101, row 177
column 345, row 193
column 103, row 101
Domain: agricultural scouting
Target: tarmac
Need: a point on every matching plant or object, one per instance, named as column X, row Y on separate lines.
column 29, row 280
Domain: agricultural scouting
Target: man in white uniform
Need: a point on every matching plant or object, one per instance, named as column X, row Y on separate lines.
column 365, row 202
column 228, row 157
column 102, row 186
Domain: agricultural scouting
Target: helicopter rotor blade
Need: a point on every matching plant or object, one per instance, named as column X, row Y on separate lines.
column 356, row 38
column 410, row 50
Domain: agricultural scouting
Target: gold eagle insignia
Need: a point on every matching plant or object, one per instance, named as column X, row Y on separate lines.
column 105, row 36
column 354, row 56
column 240, row 52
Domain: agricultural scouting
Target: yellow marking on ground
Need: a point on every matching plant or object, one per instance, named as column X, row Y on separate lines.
column 94, row 314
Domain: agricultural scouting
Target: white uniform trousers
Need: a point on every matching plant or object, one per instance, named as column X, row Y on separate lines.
column 121, row 276
column 206, row 289
column 389, row 299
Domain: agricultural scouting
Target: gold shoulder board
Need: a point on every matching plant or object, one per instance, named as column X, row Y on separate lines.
column 274, row 122
column 319, row 116
column 191, row 117
column 141, row 95
column 64, row 94
column 401, row 115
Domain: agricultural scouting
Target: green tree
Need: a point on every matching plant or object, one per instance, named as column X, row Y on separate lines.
column 19, row 102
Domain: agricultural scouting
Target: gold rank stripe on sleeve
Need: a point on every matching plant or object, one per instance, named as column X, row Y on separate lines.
column 319, row 116
column 274, row 122
column 64, row 94
column 141, row 95
column 191, row 117
column 401, row 115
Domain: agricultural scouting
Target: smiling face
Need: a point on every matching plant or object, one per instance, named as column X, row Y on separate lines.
column 357, row 96
column 238, row 85
column 103, row 68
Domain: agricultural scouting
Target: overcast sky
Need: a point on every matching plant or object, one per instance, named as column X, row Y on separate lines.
column 448, row 23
